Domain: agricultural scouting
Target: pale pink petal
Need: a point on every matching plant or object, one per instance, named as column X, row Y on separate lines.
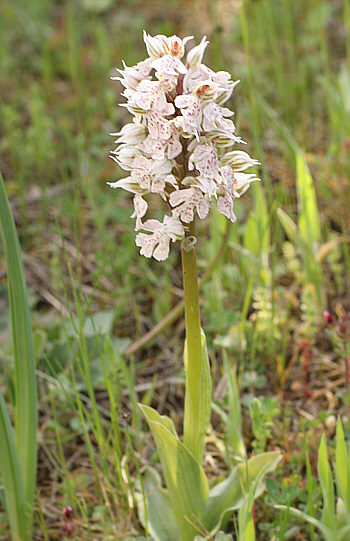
column 157, row 243
column 206, row 159
column 225, row 207
column 140, row 206
column 158, row 185
column 159, row 128
column 191, row 109
column 169, row 65
column 142, row 178
column 174, row 148
column 186, row 202
column 227, row 174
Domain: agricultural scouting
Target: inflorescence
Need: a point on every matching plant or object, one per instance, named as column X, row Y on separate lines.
column 171, row 147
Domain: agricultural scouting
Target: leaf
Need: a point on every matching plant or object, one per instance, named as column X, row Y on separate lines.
column 289, row 226
column 11, row 475
column 227, row 496
column 234, row 419
column 342, row 518
column 262, row 218
column 184, row 477
column 25, row 378
column 197, row 404
column 245, row 516
column 325, row 474
column 100, row 323
column 161, row 520
column 308, row 215
column 327, row 532
column 310, row 484
column 342, row 469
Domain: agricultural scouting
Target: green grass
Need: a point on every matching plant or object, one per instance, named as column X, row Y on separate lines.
column 58, row 107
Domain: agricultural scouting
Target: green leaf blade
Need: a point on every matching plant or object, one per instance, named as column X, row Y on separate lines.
column 184, row 477
column 325, row 474
column 197, row 404
column 228, row 495
column 11, row 476
column 26, row 417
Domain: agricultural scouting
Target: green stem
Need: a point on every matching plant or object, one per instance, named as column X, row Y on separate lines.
column 192, row 312
column 175, row 313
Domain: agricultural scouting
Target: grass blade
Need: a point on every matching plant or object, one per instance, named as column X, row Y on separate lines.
column 25, row 380
column 11, row 476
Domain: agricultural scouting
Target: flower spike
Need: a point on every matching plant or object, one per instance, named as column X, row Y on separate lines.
column 171, row 147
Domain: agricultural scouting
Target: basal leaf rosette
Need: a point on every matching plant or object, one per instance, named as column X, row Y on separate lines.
column 179, row 144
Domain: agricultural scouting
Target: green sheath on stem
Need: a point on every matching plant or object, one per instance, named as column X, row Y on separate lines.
column 198, row 378
column 192, row 313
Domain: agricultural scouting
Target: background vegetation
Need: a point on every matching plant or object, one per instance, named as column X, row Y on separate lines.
column 92, row 297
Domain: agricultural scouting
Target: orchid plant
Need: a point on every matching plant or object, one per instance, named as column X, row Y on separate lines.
column 178, row 147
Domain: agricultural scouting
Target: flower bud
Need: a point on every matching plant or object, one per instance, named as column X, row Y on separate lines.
column 238, row 160
column 328, row 316
column 195, row 56
column 156, row 46
column 68, row 512
column 131, row 77
column 131, row 134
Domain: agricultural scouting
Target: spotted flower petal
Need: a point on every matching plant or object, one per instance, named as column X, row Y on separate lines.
column 157, row 242
column 206, row 160
column 140, row 206
column 186, row 202
column 169, row 66
column 191, row 110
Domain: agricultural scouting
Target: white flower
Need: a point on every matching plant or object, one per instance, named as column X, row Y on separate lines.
column 243, row 181
column 151, row 94
column 240, row 182
column 223, row 79
column 131, row 77
column 225, row 202
column 206, row 185
column 213, row 117
column 224, row 136
column 125, row 156
column 157, row 243
column 157, row 148
column 152, row 175
column 131, row 134
column 147, row 176
column 169, row 66
column 177, row 45
column 156, row 46
column 206, row 90
column 225, row 207
column 161, row 45
column 235, row 185
column 186, row 202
